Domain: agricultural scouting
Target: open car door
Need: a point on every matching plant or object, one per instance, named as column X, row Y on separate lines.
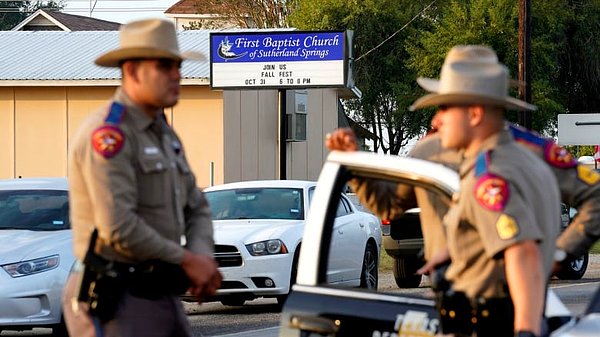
column 316, row 308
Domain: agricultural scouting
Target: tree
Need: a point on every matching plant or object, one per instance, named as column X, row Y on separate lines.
column 244, row 13
column 13, row 12
column 566, row 67
column 579, row 73
column 388, row 86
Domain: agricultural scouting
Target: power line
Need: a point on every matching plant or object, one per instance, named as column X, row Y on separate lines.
column 398, row 31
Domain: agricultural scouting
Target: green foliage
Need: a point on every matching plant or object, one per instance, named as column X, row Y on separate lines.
column 388, row 86
column 581, row 150
column 565, row 48
column 22, row 9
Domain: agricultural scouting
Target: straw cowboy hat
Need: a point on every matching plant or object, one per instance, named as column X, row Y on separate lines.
column 470, row 75
column 152, row 38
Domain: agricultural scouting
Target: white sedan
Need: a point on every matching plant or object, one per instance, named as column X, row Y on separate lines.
column 258, row 235
column 35, row 253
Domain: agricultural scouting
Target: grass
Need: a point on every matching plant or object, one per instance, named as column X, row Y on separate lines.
column 386, row 262
column 595, row 248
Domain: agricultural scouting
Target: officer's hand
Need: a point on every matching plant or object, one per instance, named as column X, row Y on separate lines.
column 342, row 139
column 436, row 260
column 203, row 273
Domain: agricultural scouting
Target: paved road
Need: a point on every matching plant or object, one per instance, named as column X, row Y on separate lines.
column 574, row 294
column 260, row 318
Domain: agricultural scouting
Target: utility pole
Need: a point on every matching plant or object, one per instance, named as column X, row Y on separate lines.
column 524, row 117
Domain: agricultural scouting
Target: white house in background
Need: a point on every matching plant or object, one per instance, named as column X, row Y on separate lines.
column 44, row 19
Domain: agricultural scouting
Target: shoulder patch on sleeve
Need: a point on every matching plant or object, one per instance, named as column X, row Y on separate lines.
column 507, row 227
column 108, row 140
column 587, row 175
column 491, row 191
column 558, row 156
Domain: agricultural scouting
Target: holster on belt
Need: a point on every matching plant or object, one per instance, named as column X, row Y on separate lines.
column 494, row 316
column 455, row 313
column 488, row 317
column 101, row 286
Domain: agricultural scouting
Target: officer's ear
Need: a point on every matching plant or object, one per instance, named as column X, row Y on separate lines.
column 129, row 69
column 476, row 114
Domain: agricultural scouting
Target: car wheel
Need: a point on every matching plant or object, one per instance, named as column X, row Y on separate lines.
column 369, row 274
column 574, row 269
column 233, row 301
column 404, row 271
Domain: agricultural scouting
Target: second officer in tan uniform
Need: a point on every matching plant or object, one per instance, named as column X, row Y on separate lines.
column 130, row 183
column 502, row 228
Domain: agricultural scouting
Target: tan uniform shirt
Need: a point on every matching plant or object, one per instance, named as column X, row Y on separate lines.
column 507, row 195
column 389, row 200
column 579, row 187
column 142, row 198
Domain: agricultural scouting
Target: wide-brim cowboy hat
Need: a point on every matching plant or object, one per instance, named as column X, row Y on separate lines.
column 151, row 38
column 470, row 75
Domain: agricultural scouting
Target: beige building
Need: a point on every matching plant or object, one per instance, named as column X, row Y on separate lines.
column 49, row 83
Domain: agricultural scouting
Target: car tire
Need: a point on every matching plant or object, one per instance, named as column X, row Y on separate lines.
column 233, row 301
column 369, row 277
column 404, row 269
column 574, row 269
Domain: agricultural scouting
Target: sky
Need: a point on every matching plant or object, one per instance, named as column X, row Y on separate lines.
column 121, row 11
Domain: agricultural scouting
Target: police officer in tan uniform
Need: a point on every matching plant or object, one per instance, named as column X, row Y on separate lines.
column 506, row 217
column 134, row 201
column 502, row 228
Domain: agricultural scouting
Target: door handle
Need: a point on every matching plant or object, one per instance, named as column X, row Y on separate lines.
column 319, row 325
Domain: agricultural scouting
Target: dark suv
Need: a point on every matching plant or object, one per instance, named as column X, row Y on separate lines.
column 403, row 241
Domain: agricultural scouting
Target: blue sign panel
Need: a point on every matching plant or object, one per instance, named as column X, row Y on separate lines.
column 278, row 59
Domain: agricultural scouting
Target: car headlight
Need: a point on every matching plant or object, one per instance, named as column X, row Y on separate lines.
column 30, row 267
column 268, row 247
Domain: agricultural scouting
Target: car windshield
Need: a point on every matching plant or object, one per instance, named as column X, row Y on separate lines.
column 36, row 210
column 257, row 203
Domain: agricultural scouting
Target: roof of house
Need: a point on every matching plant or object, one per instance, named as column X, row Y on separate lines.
column 55, row 20
column 69, row 56
column 185, row 7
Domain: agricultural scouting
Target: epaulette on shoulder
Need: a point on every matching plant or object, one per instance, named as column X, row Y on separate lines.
column 482, row 163
column 115, row 114
column 529, row 137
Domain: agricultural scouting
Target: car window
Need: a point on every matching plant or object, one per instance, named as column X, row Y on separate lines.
column 256, row 203
column 36, row 210
column 343, row 208
column 357, row 257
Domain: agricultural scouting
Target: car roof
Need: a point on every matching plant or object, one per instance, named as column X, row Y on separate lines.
column 263, row 183
column 34, row 184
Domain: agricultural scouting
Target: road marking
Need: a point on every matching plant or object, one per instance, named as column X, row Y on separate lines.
column 267, row 332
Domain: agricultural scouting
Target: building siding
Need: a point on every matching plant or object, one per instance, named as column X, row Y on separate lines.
column 36, row 124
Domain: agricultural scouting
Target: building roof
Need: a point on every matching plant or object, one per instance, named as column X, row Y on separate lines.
column 67, row 58
column 55, row 20
column 185, row 7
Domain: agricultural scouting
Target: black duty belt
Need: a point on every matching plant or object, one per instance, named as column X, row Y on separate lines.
column 487, row 316
column 153, row 279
